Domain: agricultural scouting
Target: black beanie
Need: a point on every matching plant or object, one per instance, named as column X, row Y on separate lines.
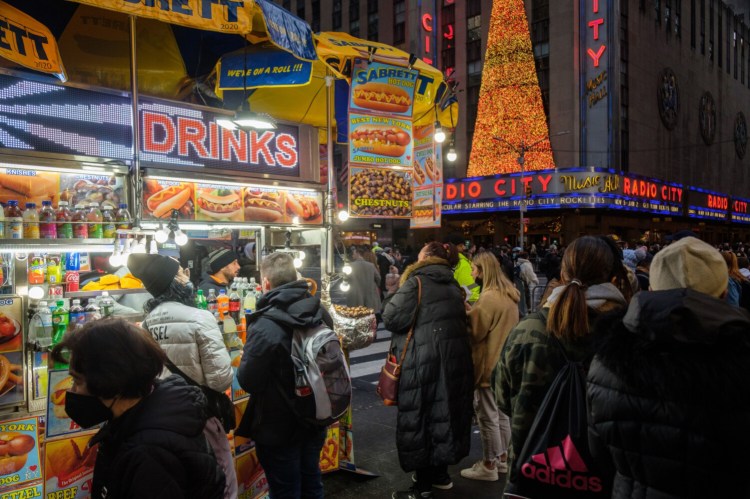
column 219, row 259
column 157, row 272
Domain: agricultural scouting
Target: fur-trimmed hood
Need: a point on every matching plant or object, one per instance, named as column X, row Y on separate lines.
column 420, row 268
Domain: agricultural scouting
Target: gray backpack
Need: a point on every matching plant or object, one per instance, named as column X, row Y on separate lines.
column 322, row 385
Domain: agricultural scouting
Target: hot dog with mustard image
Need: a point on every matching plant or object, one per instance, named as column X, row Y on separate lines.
column 383, row 140
column 382, row 97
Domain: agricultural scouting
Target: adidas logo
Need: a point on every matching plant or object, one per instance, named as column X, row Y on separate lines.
column 562, row 466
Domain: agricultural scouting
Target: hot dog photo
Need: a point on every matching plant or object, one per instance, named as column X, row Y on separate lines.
column 380, row 141
column 58, row 422
column 68, row 463
column 382, row 89
column 162, row 197
column 263, row 205
column 303, row 207
column 381, row 97
column 19, row 451
column 218, row 203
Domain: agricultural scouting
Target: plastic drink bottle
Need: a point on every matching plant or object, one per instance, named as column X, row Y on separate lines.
column 2, row 223
column 92, row 311
column 37, row 268
column 54, row 269
column 200, row 300
column 108, row 222
column 222, row 302
column 250, row 299
column 94, row 219
column 213, row 305
column 77, row 316
column 235, row 302
column 60, row 318
column 106, row 304
column 43, row 325
column 80, row 227
column 64, row 217
column 47, row 221
column 13, row 221
column 30, row 222
column 123, row 217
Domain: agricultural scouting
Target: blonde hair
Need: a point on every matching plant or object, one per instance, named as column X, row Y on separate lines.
column 493, row 277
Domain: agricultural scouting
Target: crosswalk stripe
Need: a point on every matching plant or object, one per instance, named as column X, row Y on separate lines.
column 366, row 368
column 379, row 347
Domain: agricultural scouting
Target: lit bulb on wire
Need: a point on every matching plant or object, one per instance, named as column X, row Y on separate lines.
column 180, row 238
column 161, row 235
column 344, row 286
column 343, row 215
column 347, row 269
column 301, row 255
column 297, row 263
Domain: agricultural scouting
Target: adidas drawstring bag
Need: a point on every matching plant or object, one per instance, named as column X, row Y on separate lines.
column 555, row 460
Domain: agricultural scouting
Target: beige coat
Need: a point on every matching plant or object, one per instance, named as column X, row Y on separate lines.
column 490, row 320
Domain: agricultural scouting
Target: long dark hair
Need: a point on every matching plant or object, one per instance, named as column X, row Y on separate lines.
column 176, row 292
column 587, row 261
column 619, row 274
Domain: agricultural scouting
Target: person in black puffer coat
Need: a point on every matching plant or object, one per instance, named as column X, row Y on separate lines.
column 435, row 392
column 669, row 388
column 152, row 445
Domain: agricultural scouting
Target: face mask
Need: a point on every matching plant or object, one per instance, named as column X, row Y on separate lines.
column 86, row 410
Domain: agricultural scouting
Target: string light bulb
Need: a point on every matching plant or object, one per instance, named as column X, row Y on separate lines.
column 343, row 215
column 347, row 269
column 439, row 133
column 162, row 234
column 344, row 286
column 180, row 238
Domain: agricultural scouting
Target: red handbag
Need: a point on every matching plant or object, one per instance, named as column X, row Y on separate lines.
column 391, row 372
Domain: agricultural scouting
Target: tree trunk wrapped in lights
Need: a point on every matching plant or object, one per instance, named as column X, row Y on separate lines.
column 510, row 100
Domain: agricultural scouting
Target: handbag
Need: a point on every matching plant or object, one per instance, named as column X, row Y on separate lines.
column 391, row 372
column 218, row 404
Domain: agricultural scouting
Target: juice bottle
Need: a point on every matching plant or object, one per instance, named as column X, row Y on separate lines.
column 30, row 222
column 94, row 219
column 64, row 217
column 54, row 269
column 37, row 268
column 13, row 221
column 109, row 229
column 80, row 227
column 222, row 302
column 122, row 217
column 2, row 223
column 47, row 221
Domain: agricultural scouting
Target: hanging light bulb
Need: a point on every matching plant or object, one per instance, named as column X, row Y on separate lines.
column 154, row 248
column 347, row 269
column 451, row 155
column 344, row 286
column 439, row 133
column 140, row 246
column 36, row 292
column 162, row 234
column 297, row 263
column 180, row 238
column 343, row 215
column 116, row 259
column 301, row 255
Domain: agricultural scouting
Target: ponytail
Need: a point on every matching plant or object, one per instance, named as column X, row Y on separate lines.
column 569, row 314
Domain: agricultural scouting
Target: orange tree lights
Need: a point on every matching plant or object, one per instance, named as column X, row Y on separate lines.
column 510, row 101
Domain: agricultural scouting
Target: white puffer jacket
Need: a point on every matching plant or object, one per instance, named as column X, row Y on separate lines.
column 191, row 339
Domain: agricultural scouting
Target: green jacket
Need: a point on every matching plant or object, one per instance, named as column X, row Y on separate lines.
column 462, row 274
column 528, row 364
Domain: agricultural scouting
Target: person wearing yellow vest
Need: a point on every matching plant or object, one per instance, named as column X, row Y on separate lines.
column 462, row 271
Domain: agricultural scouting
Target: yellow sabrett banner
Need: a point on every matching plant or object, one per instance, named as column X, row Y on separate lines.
column 229, row 16
column 25, row 41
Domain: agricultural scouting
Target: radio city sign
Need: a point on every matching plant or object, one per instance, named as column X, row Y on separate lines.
column 554, row 188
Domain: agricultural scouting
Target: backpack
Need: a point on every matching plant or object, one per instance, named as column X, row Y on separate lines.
column 555, row 460
column 322, row 385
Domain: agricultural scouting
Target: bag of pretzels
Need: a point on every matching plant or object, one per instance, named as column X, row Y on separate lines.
column 356, row 326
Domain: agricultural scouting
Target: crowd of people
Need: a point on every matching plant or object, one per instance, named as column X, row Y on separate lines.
column 658, row 338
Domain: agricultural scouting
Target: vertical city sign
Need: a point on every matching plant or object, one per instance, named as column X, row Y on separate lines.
column 596, row 67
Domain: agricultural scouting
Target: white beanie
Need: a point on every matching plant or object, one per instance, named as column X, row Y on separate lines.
column 690, row 263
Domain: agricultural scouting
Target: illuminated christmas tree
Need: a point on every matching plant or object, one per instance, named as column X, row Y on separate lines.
column 510, row 101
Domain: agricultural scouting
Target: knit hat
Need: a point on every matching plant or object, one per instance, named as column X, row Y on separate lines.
column 220, row 258
column 640, row 253
column 689, row 263
column 156, row 271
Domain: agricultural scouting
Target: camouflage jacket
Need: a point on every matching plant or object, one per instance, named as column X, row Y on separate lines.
column 529, row 362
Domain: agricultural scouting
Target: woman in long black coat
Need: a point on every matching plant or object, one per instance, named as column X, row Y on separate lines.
column 435, row 391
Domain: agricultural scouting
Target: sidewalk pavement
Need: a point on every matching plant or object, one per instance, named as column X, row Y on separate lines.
column 375, row 450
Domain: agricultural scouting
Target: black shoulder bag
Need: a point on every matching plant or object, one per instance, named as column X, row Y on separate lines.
column 217, row 403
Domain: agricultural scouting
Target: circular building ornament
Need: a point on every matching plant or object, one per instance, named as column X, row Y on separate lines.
column 740, row 135
column 668, row 98
column 707, row 118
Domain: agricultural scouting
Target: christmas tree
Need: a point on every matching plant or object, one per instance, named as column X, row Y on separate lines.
column 510, row 101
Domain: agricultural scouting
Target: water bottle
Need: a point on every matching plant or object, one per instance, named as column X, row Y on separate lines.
column 106, row 304
column 42, row 328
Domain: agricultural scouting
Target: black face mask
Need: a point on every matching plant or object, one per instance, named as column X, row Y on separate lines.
column 87, row 410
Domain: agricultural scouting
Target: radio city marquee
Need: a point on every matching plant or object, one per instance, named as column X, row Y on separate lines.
column 574, row 188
